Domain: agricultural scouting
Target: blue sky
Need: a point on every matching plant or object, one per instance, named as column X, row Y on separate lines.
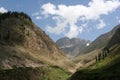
column 85, row 19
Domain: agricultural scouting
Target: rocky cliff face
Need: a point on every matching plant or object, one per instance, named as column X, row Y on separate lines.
column 72, row 47
column 22, row 43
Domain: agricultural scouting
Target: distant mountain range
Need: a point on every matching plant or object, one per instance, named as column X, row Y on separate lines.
column 72, row 47
column 76, row 46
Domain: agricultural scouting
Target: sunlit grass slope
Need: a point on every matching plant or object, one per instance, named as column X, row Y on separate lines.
column 41, row 73
column 107, row 69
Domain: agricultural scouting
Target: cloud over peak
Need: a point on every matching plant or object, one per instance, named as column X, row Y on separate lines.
column 101, row 24
column 3, row 10
column 65, row 15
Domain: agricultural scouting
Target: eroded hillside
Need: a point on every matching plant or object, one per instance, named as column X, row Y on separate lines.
column 23, row 44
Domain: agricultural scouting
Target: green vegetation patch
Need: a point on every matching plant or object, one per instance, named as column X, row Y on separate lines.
column 27, row 73
column 107, row 69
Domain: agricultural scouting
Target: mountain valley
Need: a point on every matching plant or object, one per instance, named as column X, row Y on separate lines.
column 28, row 53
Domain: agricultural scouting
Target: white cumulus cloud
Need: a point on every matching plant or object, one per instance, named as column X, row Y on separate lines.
column 73, row 32
column 66, row 16
column 3, row 10
column 101, row 24
column 49, row 8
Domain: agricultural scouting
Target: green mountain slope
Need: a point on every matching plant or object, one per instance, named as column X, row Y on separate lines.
column 41, row 73
column 107, row 68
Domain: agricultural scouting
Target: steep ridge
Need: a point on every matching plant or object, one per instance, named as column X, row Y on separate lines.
column 72, row 47
column 101, row 41
column 106, row 68
column 23, row 44
column 96, row 47
column 115, row 38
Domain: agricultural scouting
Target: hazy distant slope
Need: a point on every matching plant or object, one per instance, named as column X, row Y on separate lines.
column 101, row 41
column 72, row 47
column 115, row 38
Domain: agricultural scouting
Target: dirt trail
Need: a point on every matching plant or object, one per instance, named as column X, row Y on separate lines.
column 78, row 65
